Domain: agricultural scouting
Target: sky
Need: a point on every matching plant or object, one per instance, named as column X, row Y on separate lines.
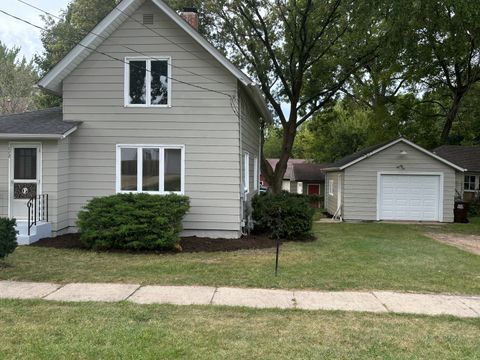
column 16, row 33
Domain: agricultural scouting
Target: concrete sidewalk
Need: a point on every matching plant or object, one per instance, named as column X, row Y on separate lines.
column 369, row 301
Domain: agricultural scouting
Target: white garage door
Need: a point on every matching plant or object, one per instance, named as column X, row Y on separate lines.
column 409, row 197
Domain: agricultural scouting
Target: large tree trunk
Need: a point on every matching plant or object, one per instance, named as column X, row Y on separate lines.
column 451, row 116
column 274, row 177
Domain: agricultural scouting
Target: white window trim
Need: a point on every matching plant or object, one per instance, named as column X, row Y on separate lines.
column 475, row 183
column 139, row 147
column 126, row 81
column 246, row 172
column 255, row 173
column 330, row 187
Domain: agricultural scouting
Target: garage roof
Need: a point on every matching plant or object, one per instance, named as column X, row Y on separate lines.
column 46, row 123
column 352, row 159
column 467, row 157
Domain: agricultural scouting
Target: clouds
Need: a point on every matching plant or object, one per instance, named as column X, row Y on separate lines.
column 16, row 33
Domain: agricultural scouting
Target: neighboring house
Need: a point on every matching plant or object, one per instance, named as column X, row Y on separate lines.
column 396, row 180
column 301, row 177
column 157, row 111
column 468, row 157
column 288, row 184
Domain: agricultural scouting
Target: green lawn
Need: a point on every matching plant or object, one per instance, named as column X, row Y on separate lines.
column 473, row 227
column 344, row 256
column 51, row 330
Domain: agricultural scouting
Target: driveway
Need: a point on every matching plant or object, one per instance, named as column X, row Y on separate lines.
column 470, row 243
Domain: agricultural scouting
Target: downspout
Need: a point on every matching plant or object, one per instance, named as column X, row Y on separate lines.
column 242, row 185
column 338, row 213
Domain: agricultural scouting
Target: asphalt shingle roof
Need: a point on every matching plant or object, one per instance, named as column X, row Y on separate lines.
column 467, row 157
column 289, row 172
column 352, row 157
column 309, row 172
column 40, row 122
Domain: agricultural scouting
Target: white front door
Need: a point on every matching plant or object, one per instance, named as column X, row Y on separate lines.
column 25, row 177
column 409, row 197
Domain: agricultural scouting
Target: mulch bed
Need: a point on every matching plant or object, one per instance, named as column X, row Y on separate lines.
column 188, row 244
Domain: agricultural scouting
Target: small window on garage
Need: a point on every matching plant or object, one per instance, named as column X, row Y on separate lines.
column 330, row 187
column 469, row 183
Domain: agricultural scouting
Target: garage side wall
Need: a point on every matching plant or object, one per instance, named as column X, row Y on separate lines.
column 360, row 182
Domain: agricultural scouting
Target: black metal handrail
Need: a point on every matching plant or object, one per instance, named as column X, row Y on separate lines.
column 37, row 208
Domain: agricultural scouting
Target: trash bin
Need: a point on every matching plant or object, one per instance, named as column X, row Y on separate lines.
column 460, row 212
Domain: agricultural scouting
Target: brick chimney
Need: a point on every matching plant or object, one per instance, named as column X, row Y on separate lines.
column 190, row 15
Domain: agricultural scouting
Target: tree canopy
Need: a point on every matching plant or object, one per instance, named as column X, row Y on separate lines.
column 17, row 80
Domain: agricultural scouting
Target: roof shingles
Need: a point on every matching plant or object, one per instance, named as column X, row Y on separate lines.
column 467, row 157
column 40, row 122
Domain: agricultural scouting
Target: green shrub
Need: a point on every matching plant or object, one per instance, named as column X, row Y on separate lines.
column 133, row 221
column 8, row 237
column 286, row 215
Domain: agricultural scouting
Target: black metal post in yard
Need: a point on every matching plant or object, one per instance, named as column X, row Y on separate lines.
column 277, row 236
column 276, row 258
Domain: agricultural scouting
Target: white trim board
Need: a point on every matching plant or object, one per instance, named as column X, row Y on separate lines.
column 138, row 147
column 413, row 173
column 415, row 146
column 17, row 144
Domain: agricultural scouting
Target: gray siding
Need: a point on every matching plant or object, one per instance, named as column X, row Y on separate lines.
column 201, row 120
column 331, row 201
column 250, row 140
column 3, row 178
column 360, row 181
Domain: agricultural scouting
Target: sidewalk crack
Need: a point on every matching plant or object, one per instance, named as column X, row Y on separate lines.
column 468, row 306
column 133, row 292
column 213, row 295
column 380, row 301
column 54, row 291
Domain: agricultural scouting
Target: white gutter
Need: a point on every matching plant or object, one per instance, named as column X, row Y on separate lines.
column 37, row 136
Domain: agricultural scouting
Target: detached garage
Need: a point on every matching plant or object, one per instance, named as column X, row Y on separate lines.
column 397, row 180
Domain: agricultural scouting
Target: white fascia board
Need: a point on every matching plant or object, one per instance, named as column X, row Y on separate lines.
column 53, row 79
column 38, row 136
column 415, row 146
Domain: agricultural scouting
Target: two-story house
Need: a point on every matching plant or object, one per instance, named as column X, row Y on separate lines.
column 148, row 106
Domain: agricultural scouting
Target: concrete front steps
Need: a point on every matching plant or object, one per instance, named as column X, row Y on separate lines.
column 39, row 231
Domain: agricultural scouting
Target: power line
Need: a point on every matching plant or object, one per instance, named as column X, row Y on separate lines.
column 127, row 47
column 117, row 59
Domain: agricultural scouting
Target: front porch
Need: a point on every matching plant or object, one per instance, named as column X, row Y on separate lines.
column 37, row 231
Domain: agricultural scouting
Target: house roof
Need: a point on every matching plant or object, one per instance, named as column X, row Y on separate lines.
column 52, row 81
column 289, row 172
column 352, row 159
column 467, row 157
column 309, row 172
column 46, row 123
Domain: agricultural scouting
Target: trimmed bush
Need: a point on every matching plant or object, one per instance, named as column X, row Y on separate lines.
column 8, row 237
column 133, row 221
column 286, row 215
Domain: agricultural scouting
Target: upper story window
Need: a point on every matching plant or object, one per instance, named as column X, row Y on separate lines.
column 469, row 182
column 147, row 82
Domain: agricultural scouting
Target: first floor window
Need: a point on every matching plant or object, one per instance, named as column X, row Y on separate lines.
column 246, row 172
column 147, row 82
column 469, row 183
column 255, row 173
column 150, row 168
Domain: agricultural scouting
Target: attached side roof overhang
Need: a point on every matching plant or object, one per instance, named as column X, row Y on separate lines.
column 52, row 81
column 38, row 136
column 386, row 146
